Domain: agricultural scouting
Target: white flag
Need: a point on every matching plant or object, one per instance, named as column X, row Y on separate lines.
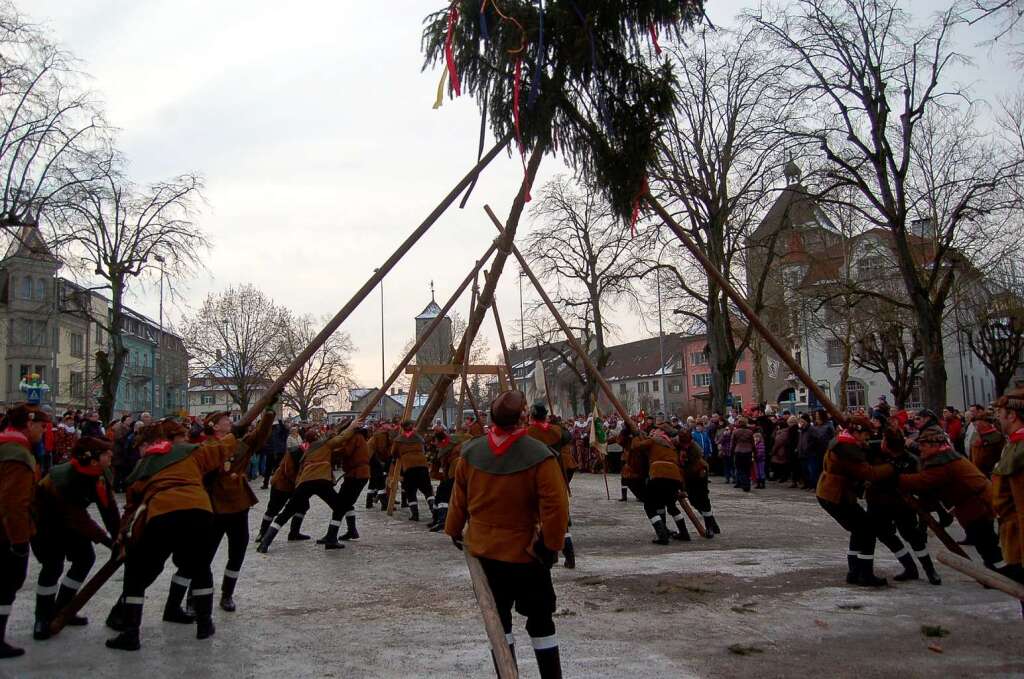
column 538, row 379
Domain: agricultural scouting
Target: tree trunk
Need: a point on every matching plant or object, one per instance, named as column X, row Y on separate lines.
column 757, row 355
column 110, row 366
column 722, row 352
column 844, row 373
column 934, row 374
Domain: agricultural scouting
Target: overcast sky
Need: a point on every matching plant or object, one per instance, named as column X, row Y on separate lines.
column 313, row 127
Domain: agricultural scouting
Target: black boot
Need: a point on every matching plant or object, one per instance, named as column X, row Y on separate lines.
column 714, row 525
column 414, row 512
column 173, row 612
column 350, row 531
column 6, row 650
column 370, row 495
column 682, row 533
column 382, row 498
column 64, row 597
column 227, row 593
column 44, row 614
column 548, row 662
column 442, row 516
column 569, row 552
column 331, row 536
column 204, row 615
column 660, row 530
column 115, row 619
column 128, row 640
column 433, row 510
column 264, row 525
column 929, row 569
column 909, row 568
column 853, row 574
column 867, row 575
column 624, row 497
column 295, row 533
column 709, row 527
column 268, row 538
column 405, row 499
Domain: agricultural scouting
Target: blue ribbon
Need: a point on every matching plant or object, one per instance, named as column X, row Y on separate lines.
column 484, row 34
column 541, row 58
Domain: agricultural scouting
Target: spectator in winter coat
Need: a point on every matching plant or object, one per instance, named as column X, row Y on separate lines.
column 953, row 427
column 725, row 452
column 702, row 439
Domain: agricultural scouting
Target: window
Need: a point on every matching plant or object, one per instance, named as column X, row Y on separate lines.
column 207, row 399
column 643, row 387
column 41, row 371
column 739, row 377
column 39, row 333
column 654, row 385
column 675, row 388
column 25, row 290
column 698, row 358
column 40, row 290
column 77, row 345
column 915, row 400
column 871, row 267
column 834, row 352
column 77, row 384
column 702, row 380
column 24, row 371
column 622, row 387
column 856, row 397
column 99, row 335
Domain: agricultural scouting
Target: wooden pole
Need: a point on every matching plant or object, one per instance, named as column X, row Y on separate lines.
column 492, row 622
column 332, row 325
column 476, row 318
column 982, row 574
column 504, row 347
column 935, row 527
column 569, row 338
column 777, row 345
column 427, row 332
column 87, row 591
column 547, row 388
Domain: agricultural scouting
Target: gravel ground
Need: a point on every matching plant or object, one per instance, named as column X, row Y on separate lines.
column 766, row 597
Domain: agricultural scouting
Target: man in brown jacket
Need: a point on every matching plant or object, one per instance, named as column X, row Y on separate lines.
column 953, row 480
column 559, row 440
column 986, row 443
column 409, row 448
column 282, row 485
column 380, row 450
column 1008, row 484
column 509, row 488
column 845, row 471
column 355, row 465
column 664, row 482
column 21, row 429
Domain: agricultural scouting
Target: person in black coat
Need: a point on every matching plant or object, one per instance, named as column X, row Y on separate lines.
column 274, row 450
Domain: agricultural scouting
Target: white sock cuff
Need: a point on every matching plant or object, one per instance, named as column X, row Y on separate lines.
column 351, row 513
column 442, row 505
column 866, row 557
column 902, row 553
column 544, row 643
column 655, row 519
column 135, row 600
column 335, row 523
column 299, row 515
column 920, row 554
column 231, row 574
column 851, row 552
column 204, row 591
column 42, row 590
column 568, row 536
column 71, row 584
column 414, row 504
column 178, row 580
column 999, row 564
column 706, row 515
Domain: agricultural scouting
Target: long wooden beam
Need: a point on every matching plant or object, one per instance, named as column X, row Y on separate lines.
column 286, row 376
column 453, row 369
column 504, row 347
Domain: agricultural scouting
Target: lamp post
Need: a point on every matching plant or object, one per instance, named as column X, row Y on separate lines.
column 160, row 338
column 522, row 322
column 382, row 378
column 661, row 333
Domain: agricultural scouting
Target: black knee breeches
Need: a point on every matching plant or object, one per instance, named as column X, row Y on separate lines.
column 299, row 501
column 416, row 479
column 660, row 493
column 528, row 588
column 348, row 494
column 183, row 534
column 236, row 527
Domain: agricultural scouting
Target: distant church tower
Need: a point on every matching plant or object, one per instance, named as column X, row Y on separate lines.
column 437, row 349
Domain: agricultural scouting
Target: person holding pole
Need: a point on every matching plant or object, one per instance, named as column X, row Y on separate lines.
column 664, row 482
column 355, row 465
column 846, row 468
column 1008, row 484
column 282, row 486
column 409, row 449
column 695, row 480
column 510, row 490
column 448, row 453
column 380, row 452
column 22, row 428
column 67, row 532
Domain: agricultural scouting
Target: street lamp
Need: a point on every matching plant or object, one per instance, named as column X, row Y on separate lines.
column 160, row 339
column 522, row 322
column 661, row 333
column 381, row 344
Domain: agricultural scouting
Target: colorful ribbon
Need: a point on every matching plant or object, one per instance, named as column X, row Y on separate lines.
column 636, row 207
column 539, row 69
column 654, row 39
column 440, row 90
column 453, row 75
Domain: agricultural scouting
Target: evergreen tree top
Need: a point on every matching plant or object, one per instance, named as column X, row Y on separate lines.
column 581, row 71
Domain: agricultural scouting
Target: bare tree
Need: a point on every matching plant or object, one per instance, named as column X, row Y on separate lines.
column 234, row 339
column 893, row 128
column 50, row 130
column 1007, row 17
column 719, row 160
column 994, row 325
column 886, row 345
column 119, row 233
column 585, row 256
column 327, row 373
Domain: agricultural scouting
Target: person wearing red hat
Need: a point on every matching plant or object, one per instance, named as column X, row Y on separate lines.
column 509, row 488
column 695, row 480
column 846, row 468
column 65, row 529
column 20, row 431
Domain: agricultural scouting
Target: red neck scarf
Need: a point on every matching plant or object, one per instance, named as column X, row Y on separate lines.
column 158, row 448
column 96, row 472
column 86, row 469
column 500, row 440
column 1017, row 436
column 408, row 434
column 542, row 424
column 846, row 437
column 11, row 435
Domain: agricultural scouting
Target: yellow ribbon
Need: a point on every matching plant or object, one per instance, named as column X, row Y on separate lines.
column 440, row 89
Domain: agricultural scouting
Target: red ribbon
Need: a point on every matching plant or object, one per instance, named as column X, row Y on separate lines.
column 453, row 75
column 654, row 39
column 636, row 206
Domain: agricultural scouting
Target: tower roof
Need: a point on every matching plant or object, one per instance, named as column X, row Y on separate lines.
column 430, row 312
column 29, row 244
